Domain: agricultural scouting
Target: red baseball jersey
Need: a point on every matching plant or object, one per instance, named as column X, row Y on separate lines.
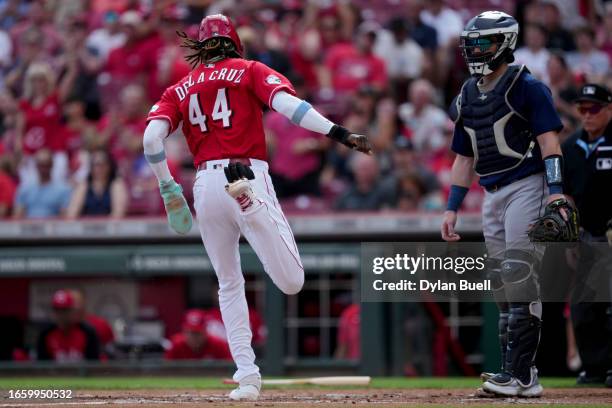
column 43, row 126
column 220, row 105
column 77, row 343
column 349, row 331
column 213, row 348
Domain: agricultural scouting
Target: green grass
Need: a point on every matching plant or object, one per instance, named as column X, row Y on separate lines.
column 123, row 383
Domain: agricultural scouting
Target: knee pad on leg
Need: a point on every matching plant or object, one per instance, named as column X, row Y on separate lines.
column 517, row 266
column 519, row 277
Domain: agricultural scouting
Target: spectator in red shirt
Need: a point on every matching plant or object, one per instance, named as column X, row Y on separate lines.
column 295, row 152
column 123, row 126
column 168, row 62
column 130, row 63
column 352, row 65
column 81, row 137
column 39, row 122
column 68, row 339
column 38, row 17
column 349, row 336
column 441, row 164
column 194, row 343
column 31, row 50
column 7, row 190
column 9, row 108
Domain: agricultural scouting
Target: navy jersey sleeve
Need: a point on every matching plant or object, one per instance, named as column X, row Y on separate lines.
column 538, row 107
column 461, row 143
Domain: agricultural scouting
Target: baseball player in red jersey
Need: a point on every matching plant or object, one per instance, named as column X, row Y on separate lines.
column 220, row 106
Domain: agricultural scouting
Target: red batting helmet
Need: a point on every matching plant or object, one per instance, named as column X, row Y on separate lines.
column 194, row 320
column 219, row 25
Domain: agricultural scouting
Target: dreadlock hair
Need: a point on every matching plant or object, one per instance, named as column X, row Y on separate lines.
column 210, row 50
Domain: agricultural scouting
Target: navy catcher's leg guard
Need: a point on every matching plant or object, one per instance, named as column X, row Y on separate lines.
column 497, row 285
column 524, row 324
column 524, row 314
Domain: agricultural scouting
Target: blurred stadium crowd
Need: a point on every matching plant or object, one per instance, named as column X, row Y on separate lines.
column 78, row 77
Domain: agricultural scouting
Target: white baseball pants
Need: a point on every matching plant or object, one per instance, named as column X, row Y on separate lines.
column 265, row 228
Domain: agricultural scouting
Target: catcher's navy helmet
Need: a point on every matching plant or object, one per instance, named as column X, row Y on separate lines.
column 488, row 40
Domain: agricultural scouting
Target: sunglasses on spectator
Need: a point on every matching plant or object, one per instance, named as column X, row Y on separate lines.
column 593, row 109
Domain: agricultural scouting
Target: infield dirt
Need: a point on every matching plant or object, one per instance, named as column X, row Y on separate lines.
column 583, row 397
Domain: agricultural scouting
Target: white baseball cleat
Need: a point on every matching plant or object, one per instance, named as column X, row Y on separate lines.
column 248, row 390
column 241, row 191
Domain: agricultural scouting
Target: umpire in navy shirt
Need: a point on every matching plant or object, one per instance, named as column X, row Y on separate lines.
column 588, row 179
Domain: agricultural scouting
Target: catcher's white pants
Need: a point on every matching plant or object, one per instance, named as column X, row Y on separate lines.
column 266, row 229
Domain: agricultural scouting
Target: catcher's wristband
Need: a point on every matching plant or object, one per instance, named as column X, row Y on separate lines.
column 553, row 166
column 339, row 134
column 456, row 196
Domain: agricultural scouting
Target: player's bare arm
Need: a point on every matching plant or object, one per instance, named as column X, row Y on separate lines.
column 304, row 115
column 462, row 175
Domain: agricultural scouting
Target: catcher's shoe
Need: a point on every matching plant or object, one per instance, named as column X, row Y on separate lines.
column 586, row 378
column 485, row 376
column 507, row 385
column 248, row 390
column 241, row 191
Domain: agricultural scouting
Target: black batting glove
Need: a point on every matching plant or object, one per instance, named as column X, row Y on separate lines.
column 352, row 140
column 237, row 171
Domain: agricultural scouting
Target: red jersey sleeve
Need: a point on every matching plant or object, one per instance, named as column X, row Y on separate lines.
column 167, row 108
column 266, row 82
column 379, row 74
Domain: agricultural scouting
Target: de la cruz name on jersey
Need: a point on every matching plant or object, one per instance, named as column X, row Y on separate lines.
column 220, row 107
column 223, row 74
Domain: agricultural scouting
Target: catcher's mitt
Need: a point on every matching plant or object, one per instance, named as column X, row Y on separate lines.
column 552, row 227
